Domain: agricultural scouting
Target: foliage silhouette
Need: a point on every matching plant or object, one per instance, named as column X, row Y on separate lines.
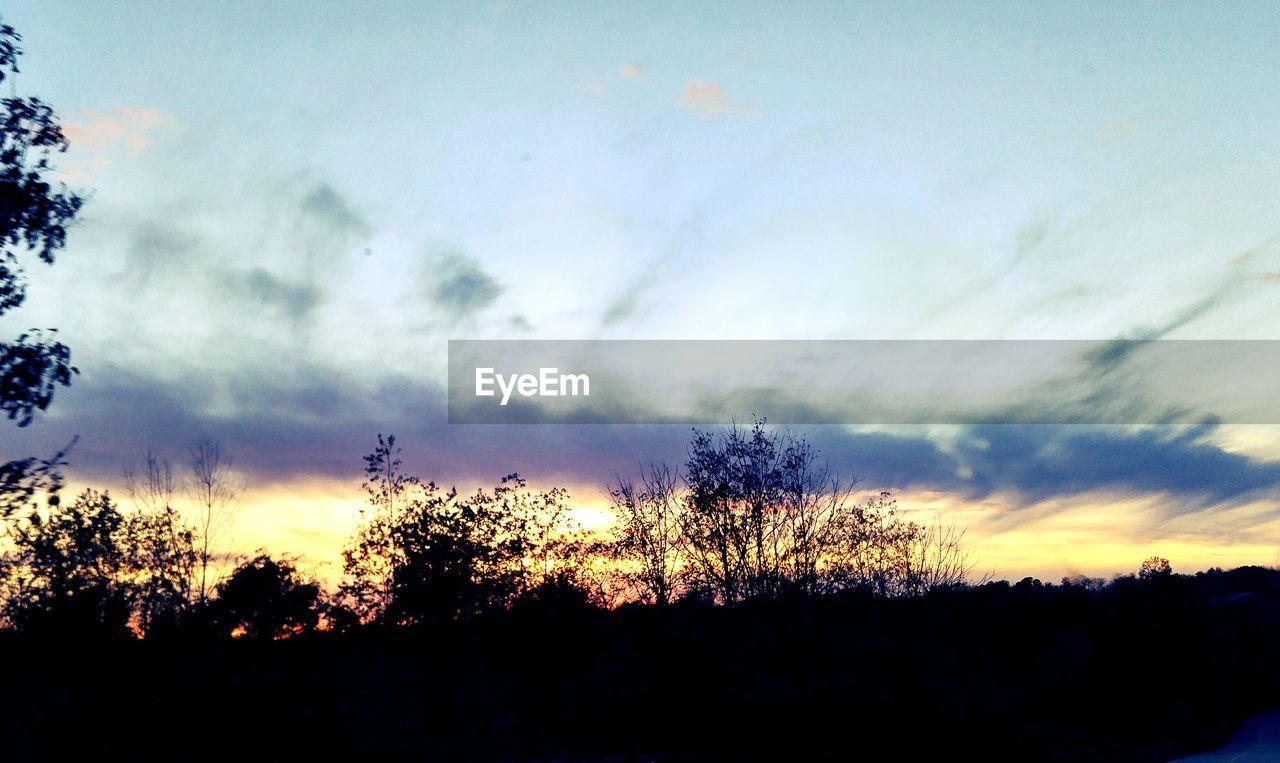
column 85, row 569
column 266, row 599
column 34, row 216
column 755, row 514
column 426, row 555
column 33, row 222
column 512, row 657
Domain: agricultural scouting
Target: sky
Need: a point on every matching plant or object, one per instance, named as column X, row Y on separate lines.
column 293, row 206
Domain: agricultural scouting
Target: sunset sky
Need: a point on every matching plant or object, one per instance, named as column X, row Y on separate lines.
column 293, row 206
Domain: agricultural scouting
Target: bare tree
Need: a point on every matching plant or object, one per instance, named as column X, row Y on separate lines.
column 647, row 531
column 939, row 560
column 215, row 491
column 160, row 535
column 151, row 491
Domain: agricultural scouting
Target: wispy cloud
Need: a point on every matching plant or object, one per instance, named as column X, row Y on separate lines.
column 711, row 99
column 631, row 72
column 459, row 286
column 99, row 138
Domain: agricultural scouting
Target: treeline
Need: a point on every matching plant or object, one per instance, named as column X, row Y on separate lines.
column 745, row 605
column 753, row 514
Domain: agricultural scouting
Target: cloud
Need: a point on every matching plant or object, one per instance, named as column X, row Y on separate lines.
column 1038, row 463
column 293, row 421
column 460, row 287
column 126, row 127
column 288, row 420
column 324, row 203
column 295, row 301
column 631, row 72
column 709, row 99
column 102, row 137
column 1110, row 355
column 296, row 247
column 630, row 302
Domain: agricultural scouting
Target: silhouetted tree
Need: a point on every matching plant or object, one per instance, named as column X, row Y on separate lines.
column 757, row 514
column 424, row 554
column 215, row 492
column 164, row 543
column 370, row 562
column 23, row 480
column 153, row 489
column 730, row 524
column 646, row 532
column 67, row 571
column 162, row 559
column 265, row 598
column 88, row 567
column 1154, row 568
column 33, row 223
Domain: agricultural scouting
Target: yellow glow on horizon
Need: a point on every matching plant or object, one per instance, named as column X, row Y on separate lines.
column 1097, row 535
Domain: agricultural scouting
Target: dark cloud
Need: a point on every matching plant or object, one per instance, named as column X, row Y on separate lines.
column 158, row 248
column 1041, row 462
column 629, row 302
column 294, row 301
column 325, row 203
column 284, row 424
column 459, row 286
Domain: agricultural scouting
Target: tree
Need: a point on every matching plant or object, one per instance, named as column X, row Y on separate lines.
column 761, row 514
column 162, row 558
column 152, row 490
column 646, row 532
column 215, row 491
column 266, row 599
column 425, row 555
column 22, row 480
column 368, row 564
column 65, row 572
column 87, row 567
column 163, row 541
column 1155, row 568
column 34, row 217
column 757, row 514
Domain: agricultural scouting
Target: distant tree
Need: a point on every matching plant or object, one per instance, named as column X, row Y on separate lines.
column 370, row 561
column 423, row 554
column 756, row 513
column 162, row 559
column 266, row 599
column 730, row 525
column 462, row 557
column 34, row 216
column 215, row 491
column 1154, row 568
column 1084, row 582
column 67, row 570
column 163, row 543
column 87, row 567
column 646, row 532
column 153, row 488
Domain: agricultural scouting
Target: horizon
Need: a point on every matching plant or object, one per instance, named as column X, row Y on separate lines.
column 283, row 231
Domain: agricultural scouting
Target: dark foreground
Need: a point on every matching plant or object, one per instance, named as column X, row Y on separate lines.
column 1143, row 670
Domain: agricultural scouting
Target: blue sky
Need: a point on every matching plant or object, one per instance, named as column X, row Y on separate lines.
column 294, row 205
